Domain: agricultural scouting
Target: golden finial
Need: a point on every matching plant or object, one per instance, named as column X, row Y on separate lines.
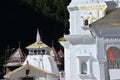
column 62, row 39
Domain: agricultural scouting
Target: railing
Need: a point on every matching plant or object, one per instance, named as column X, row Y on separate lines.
column 114, row 64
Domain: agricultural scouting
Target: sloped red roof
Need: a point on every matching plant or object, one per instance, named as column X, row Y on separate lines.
column 56, row 56
column 60, row 53
column 17, row 56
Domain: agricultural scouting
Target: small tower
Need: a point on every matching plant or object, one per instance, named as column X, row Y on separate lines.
column 38, row 47
column 81, row 62
column 94, row 37
column 40, row 56
column 15, row 60
column 84, row 12
column 39, row 64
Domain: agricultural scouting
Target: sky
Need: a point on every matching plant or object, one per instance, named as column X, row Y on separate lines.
column 20, row 23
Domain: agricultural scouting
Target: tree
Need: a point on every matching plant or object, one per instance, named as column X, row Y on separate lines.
column 54, row 9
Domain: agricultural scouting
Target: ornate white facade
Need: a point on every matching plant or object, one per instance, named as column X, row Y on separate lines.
column 87, row 46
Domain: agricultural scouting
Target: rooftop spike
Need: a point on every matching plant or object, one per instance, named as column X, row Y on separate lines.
column 38, row 36
column 19, row 44
column 52, row 43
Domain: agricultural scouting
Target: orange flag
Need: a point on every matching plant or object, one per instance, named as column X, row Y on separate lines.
column 111, row 57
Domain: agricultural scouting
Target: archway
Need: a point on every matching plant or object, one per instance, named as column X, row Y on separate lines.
column 113, row 58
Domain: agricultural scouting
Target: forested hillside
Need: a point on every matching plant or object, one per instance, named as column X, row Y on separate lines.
column 54, row 9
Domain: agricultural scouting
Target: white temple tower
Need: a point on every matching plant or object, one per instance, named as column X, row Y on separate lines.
column 41, row 56
column 39, row 64
column 92, row 34
column 80, row 46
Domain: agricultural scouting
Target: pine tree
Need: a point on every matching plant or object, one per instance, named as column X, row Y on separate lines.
column 54, row 9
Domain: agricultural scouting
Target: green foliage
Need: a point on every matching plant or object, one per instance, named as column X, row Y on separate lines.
column 54, row 9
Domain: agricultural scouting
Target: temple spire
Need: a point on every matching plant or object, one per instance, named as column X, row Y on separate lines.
column 38, row 36
column 19, row 44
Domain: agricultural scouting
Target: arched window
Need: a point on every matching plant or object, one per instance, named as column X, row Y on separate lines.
column 113, row 57
column 83, row 67
column 86, row 22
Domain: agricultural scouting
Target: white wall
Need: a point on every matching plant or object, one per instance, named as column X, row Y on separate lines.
column 33, row 73
column 22, row 73
column 72, row 61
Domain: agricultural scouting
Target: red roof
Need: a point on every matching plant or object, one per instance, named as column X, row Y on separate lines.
column 60, row 53
column 17, row 56
column 56, row 56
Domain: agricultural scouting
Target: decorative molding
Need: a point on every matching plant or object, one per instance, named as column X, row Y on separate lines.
column 98, row 6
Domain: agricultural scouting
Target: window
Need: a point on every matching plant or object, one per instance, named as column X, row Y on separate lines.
column 31, row 52
column 83, row 67
column 86, row 22
column 39, row 51
column 35, row 52
column 27, row 77
column 43, row 52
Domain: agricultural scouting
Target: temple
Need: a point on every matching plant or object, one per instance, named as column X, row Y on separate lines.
column 92, row 47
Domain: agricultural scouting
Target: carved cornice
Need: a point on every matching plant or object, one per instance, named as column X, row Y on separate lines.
column 98, row 6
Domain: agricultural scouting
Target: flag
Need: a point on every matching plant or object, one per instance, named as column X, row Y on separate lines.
column 111, row 57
